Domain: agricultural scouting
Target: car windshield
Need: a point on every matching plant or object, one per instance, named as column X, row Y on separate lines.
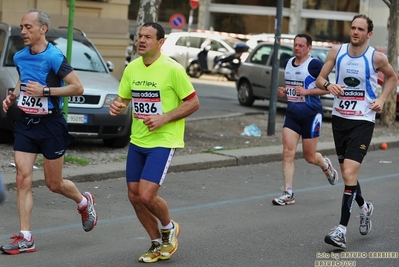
column 84, row 56
column 319, row 53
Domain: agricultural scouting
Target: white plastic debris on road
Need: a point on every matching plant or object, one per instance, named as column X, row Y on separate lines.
column 12, row 164
column 251, row 130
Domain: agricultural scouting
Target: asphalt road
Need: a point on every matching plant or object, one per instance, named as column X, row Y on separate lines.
column 218, row 97
column 226, row 217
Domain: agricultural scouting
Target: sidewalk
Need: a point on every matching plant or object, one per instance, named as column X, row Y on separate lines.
column 202, row 161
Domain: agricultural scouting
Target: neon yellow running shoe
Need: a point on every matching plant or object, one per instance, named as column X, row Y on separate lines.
column 153, row 254
column 169, row 241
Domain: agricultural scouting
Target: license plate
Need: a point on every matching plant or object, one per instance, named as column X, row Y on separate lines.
column 77, row 118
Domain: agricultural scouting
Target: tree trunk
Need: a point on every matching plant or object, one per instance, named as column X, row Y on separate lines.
column 148, row 12
column 388, row 115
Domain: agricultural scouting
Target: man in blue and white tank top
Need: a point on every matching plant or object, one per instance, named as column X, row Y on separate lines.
column 303, row 116
column 355, row 106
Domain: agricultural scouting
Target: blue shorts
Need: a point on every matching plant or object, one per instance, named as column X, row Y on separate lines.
column 47, row 135
column 308, row 127
column 150, row 164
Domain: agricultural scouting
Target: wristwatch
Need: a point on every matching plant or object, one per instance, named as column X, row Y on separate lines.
column 326, row 84
column 46, row 91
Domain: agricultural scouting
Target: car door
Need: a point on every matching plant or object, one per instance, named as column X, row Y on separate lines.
column 286, row 53
column 187, row 47
column 259, row 71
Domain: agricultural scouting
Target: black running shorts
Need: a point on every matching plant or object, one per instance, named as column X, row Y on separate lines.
column 46, row 135
column 352, row 138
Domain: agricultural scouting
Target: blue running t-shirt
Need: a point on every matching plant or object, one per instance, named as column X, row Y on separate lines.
column 47, row 68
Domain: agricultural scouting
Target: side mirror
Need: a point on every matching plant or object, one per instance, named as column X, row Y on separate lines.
column 110, row 66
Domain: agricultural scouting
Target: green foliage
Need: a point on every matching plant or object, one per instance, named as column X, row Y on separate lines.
column 78, row 160
column 67, row 159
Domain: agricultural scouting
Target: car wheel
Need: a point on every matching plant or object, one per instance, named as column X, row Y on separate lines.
column 244, row 94
column 119, row 142
column 194, row 70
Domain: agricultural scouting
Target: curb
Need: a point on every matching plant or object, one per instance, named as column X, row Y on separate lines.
column 196, row 162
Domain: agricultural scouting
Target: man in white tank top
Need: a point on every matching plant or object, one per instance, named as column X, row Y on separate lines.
column 303, row 116
column 355, row 106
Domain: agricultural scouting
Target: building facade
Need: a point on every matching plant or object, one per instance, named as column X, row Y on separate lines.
column 324, row 19
column 108, row 22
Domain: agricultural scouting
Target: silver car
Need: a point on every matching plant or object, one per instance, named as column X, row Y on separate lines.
column 255, row 74
column 88, row 114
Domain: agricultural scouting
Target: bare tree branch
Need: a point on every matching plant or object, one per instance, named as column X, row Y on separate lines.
column 387, row 2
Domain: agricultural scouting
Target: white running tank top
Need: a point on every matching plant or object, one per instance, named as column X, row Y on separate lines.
column 298, row 76
column 360, row 78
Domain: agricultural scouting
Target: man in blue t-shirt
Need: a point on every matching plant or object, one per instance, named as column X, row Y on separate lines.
column 44, row 78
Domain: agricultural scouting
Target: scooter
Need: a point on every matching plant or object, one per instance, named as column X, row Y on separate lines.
column 226, row 65
column 129, row 50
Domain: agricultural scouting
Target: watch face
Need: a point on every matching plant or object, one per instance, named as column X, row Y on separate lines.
column 46, row 91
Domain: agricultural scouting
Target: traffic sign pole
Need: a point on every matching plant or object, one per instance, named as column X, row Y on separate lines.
column 69, row 50
column 190, row 20
column 271, row 124
column 194, row 4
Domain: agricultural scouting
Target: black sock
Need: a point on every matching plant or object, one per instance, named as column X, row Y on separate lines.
column 359, row 197
column 348, row 198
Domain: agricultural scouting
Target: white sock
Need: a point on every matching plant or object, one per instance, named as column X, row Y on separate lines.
column 82, row 203
column 342, row 229
column 169, row 226
column 326, row 167
column 27, row 234
column 364, row 209
column 159, row 240
column 288, row 189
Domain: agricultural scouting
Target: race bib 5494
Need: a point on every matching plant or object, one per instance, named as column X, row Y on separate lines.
column 32, row 105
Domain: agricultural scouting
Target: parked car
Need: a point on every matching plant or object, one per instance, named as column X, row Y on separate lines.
column 255, row 74
column 183, row 46
column 253, row 41
column 88, row 114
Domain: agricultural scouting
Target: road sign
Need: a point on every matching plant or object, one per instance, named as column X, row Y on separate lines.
column 177, row 21
column 194, row 4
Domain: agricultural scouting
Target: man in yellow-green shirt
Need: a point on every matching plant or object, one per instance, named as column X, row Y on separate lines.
column 162, row 96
